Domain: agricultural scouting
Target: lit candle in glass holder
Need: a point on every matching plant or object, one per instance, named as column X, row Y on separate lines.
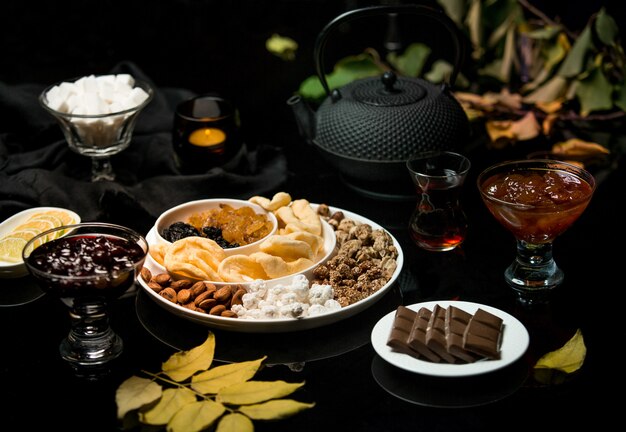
column 206, row 134
column 208, row 137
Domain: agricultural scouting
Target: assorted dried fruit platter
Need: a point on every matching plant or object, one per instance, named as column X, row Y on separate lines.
column 358, row 262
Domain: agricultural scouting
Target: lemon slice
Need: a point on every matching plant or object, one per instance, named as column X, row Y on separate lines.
column 66, row 218
column 11, row 249
column 38, row 225
column 26, row 234
column 56, row 221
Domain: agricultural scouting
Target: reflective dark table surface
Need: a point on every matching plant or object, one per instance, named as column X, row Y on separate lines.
column 352, row 387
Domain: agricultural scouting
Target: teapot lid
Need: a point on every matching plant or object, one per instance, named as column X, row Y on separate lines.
column 388, row 91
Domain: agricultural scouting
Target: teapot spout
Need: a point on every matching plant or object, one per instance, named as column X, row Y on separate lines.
column 305, row 117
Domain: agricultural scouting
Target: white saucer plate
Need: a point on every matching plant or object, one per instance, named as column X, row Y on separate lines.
column 515, row 340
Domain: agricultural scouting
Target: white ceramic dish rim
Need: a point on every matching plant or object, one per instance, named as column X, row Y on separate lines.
column 282, row 324
column 168, row 217
column 15, row 270
column 515, row 340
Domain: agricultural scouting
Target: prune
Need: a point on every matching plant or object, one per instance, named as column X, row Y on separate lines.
column 215, row 234
column 179, row 230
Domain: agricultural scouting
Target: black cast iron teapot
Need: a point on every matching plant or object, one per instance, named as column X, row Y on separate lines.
column 368, row 128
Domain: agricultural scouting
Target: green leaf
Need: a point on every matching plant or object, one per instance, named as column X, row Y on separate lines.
column 252, row 392
column 412, row 61
column 455, row 9
column 552, row 90
column 346, row 70
column 184, row 364
column 134, row 393
column 219, row 377
column 440, row 72
column 606, row 28
column 275, row 409
column 620, row 97
column 594, row 93
column 474, row 23
column 196, row 416
column 574, row 63
column 235, row 422
column 171, row 401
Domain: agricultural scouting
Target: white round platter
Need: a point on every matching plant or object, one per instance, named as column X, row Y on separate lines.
column 276, row 325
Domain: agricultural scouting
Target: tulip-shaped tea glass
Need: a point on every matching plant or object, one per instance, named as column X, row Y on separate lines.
column 438, row 222
column 536, row 200
column 87, row 265
column 99, row 136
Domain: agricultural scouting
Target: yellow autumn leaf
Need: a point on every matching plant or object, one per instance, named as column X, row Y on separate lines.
column 569, row 358
column 134, row 393
column 235, row 422
column 274, row 409
column 215, row 379
column 196, row 416
column 282, row 46
column 548, row 124
column 578, row 147
column 550, row 107
column 502, row 132
column 171, row 401
column 252, row 392
column 184, row 364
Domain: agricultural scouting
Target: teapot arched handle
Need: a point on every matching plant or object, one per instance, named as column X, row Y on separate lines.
column 436, row 14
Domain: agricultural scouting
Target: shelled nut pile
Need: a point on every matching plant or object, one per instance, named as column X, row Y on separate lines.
column 200, row 296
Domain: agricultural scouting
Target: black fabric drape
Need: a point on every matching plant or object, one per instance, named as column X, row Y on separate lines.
column 37, row 168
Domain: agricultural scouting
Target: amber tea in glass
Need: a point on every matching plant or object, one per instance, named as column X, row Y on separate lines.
column 438, row 222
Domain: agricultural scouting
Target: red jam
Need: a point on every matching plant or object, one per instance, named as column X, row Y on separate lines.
column 87, row 265
column 536, row 205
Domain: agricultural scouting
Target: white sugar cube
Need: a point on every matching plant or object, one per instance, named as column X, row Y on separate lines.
column 93, row 104
column 125, row 79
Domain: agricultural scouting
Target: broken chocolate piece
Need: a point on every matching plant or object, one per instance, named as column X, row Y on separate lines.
column 483, row 334
column 455, row 324
column 400, row 331
column 417, row 338
column 436, row 334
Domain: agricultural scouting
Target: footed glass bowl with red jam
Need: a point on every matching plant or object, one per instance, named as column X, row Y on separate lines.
column 94, row 260
column 87, row 265
column 536, row 200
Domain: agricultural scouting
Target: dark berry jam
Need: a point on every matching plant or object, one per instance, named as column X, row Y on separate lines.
column 87, row 265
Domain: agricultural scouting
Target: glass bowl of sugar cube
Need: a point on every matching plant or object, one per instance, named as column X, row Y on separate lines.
column 97, row 114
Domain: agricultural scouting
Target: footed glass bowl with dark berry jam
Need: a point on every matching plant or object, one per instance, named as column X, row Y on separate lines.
column 87, row 265
column 90, row 261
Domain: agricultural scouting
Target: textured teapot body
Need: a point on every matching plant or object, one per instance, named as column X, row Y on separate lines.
column 370, row 122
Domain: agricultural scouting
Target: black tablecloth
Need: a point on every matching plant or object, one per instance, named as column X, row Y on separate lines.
column 37, row 168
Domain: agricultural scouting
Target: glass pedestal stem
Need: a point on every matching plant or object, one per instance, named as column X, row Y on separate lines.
column 91, row 341
column 101, row 169
column 534, row 273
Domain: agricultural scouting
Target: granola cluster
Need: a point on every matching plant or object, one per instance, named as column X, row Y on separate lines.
column 365, row 259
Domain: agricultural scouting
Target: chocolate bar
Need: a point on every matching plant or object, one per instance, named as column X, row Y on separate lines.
column 400, row 331
column 483, row 334
column 417, row 338
column 436, row 334
column 456, row 322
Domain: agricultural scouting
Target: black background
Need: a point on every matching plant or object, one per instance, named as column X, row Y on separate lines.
column 202, row 45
